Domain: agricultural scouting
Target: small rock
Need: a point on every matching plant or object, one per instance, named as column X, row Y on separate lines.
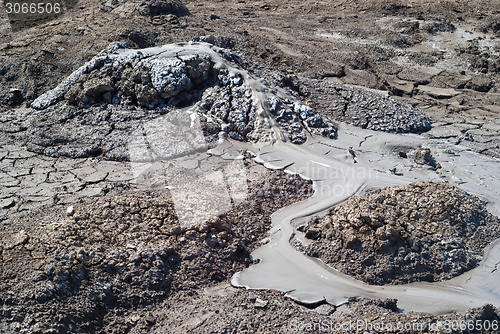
column 70, row 211
column 423, row 156
column 395, row 171
column 325, row 309
column 465, row 136
column 134, row 318
column 402, row 154
column 15, row 97
column 259, row 303
column 252, row 297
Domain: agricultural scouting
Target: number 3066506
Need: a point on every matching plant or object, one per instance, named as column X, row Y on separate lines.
column 33, row 8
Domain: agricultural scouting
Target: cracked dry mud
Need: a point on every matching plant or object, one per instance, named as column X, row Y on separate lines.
column 126, row 250
column 440, row 58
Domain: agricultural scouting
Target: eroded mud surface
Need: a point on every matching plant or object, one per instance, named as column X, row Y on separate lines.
column 66, row 271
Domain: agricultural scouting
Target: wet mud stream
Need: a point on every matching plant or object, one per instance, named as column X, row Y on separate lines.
column 336, row 177
column 339, row 172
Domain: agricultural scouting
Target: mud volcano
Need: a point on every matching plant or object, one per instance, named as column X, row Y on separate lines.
column 94, row 111
column 425, row 231
column 101, row 103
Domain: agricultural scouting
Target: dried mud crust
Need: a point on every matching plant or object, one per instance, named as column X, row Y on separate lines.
column 229, row 310
column 128, row 250
column 425, row 231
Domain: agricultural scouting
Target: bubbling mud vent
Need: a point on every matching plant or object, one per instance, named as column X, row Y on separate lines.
column 122, row 103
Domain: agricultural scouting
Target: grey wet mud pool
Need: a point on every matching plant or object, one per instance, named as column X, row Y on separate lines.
column 250, row 167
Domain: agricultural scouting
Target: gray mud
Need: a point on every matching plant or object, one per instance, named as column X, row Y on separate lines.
column 278, row 72
column 112, row 95
column 79, row 272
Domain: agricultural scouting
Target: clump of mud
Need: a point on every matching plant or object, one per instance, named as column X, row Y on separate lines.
column 163, row 7
column 364, row 108
column 63, row 272
column 425, row 231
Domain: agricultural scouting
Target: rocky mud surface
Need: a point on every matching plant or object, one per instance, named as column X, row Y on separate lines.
column 229, row 310
column 425, row 231
column 157, row 81
column 85, row 248
column 65, row 269
column 366, row 109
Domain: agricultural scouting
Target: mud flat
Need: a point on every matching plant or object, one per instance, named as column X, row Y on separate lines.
column 182, row 116
column 127, row 250
column 299, row 141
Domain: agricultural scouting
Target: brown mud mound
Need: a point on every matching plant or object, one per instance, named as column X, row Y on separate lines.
column 425, row 231
column 64, row 273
